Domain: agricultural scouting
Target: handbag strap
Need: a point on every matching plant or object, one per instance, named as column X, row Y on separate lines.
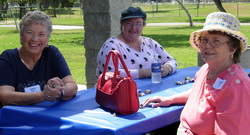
column 115, row 56
column 122, row 62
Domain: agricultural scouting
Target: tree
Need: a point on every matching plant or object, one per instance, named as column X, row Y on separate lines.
column 67, row 3
column 3, row 6
column 3, row 9
column 43, row 4
column 217, row 2
column 54, row 5
column 13, row 15
column 22, row 5
column 188, row 14
column 219, row 5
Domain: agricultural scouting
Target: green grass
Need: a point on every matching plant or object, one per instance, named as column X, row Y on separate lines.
column 70, row 43
column 75, row 21
column 175, row 39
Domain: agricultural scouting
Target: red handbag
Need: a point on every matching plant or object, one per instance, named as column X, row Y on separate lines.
column 114, row 92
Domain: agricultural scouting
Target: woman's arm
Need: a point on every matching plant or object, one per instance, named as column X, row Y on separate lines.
column 57, row 88
column 145, row 73
column 70, row 88
column 180, row 98
column 8, row 96
column 51, row 92
column 169, row 64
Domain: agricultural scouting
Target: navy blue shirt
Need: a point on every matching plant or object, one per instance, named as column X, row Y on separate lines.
column 13, row 72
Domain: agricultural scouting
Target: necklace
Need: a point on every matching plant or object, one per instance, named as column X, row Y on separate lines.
column 213, row 75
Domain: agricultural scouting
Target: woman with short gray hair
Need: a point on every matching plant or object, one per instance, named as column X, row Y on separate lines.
column 36, row 71
column 36, row 17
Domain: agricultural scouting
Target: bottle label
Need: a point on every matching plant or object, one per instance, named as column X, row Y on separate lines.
column 156, row 67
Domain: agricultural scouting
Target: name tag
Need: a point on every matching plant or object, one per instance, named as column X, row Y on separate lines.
column 35, row 88
column 219, row 83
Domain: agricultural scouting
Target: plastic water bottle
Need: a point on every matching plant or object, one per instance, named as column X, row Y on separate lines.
column 156, row 69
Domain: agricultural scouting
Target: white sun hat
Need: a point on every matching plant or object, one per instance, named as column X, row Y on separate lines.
column 223, row 22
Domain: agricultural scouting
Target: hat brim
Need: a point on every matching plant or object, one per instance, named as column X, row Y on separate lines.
column 196, row 34
column 128, row 17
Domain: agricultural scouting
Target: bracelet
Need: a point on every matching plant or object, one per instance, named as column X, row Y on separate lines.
column 62, row 94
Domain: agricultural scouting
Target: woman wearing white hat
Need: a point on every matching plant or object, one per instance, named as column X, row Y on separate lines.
column 219, row 101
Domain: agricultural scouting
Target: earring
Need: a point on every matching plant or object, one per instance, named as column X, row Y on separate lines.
column 231, row 56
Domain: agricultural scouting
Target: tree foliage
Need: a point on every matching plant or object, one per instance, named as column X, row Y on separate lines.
column 41, row 4
column 3, row 6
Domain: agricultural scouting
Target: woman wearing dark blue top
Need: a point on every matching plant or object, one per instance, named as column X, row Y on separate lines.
column 36, row 71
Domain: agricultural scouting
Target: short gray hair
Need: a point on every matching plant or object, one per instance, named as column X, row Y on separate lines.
column 36, row 17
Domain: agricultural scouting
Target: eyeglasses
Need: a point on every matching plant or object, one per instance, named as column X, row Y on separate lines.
column 214, row 43
column 130, row 24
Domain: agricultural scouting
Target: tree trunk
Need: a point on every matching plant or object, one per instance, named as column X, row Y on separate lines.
column 22, row 9
column 219, row 5
column 13, row 16
column 189, row 16
column 54, row 8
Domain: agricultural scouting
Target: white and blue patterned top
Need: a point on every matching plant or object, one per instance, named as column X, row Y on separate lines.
column 134, row 60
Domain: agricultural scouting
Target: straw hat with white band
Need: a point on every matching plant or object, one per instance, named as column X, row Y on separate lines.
column 223, row 22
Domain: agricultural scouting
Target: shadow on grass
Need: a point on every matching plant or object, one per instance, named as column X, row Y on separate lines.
column 244, row 19
column 170, row 40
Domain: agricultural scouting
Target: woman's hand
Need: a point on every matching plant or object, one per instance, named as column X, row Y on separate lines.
column 180, row 98
column 55, row 82
column 158, row 101
column 145, row 73
column 54, row 89
column 166, row 69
